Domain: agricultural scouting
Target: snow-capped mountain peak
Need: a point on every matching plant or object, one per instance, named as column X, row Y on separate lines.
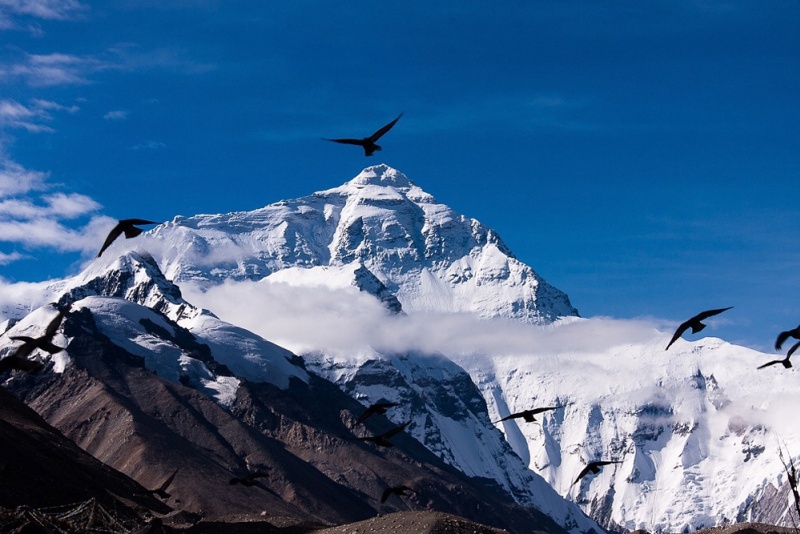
column 428, row 255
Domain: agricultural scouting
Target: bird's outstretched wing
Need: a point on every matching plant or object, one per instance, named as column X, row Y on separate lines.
column 363, row 417
column 162, row 489
column 783, row 336
column 710, row 313
column 793, row 349
column 585, row 471
column 394, row 431
column 53, row 325
column 693, row 323
column 112, row 235
column 359, row 142
column 506, row 418
column 545, row 409
column 377, row 408
column 399, row 490
column 15, row 362
column 594, row 467
column 528, row 415
column 128, row 227
column 137, row 221
column 678, row 333
column 377, row 135
column 27, row 347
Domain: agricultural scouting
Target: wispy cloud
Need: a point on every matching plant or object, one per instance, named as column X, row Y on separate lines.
column 47, row 70
column 5, row 259
column 16, row 179
column 149, row 145
column 60, row 205
column 30, row 117
column 135, row 57
column 34, row 216
column 116, row 115
column 49, row 232
column 44, row 9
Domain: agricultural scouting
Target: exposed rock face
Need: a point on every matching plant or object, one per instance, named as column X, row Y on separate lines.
column 41, row 468
column 112, row 403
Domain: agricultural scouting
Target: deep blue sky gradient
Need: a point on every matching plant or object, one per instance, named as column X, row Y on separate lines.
column 641, row 156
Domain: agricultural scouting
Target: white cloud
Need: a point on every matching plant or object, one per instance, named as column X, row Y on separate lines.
column 116, row 115
column 44, row 9
column 15, row 115
column 5, row 259
column 51, row 233
column 53, row 106
column 20, row 298
column 306, row 319
column 16, row 180
column 58, row 205
column 32, row 215
column 69, row 206
column 31, row 117
column 46, row 70
column 149, row 145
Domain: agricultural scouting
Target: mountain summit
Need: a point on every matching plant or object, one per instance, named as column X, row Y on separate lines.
column 431, row 257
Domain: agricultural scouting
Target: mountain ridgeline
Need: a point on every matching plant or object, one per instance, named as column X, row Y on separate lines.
column 427, row 255
column 151, row 383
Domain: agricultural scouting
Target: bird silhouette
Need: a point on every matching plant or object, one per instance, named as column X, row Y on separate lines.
column 126, row 226
column 783, row 336
column 397, row 490
column 250, row 479
column 528, row 415
column 19, row 358
column 161, row 491
column 785, row 361
column 382, row 440
column 695, row 324
column 377, row 408
column 594, row 468
column 368, row 143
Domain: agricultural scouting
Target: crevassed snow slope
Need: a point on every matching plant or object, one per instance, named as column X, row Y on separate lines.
column 698, row 428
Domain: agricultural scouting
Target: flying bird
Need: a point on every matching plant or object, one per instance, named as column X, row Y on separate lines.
column 382, row 440
column 528, row 415
column 19, row 358
column 368, row 143
column 783, row 336
column 126, row 226
column 161, row 491
column 250, row 479
column 397, row 490
column 594, row 468
column 377, row 408
column 695, row 324
column 785, row 362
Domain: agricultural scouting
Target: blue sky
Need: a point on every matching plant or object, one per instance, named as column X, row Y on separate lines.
column 641, row 156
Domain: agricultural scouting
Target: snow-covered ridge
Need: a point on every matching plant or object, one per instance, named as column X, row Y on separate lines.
column 449, row 417
column 698, row 429
column 427, row 255
column 125, row 290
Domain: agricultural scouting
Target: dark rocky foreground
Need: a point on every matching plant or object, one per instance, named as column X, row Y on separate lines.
column 107, row 430
column 748, row 528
